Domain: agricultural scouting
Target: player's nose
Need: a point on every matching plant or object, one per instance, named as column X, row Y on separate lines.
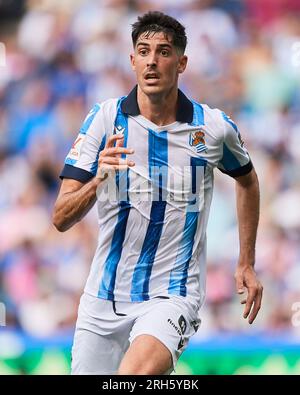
column 152, row 61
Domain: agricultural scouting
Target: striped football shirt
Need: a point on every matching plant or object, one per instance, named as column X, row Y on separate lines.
column 153, row 217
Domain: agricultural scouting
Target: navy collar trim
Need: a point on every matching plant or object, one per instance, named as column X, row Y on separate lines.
column 185, row 108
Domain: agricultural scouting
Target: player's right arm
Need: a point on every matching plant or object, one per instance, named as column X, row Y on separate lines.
column 76, row 198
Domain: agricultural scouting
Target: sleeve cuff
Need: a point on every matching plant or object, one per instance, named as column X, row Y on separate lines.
column 241, row 171
column 76, row 173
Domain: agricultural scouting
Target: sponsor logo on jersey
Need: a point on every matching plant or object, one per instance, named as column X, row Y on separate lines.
column 197, row 140
column 75, row 150
column 119, row 129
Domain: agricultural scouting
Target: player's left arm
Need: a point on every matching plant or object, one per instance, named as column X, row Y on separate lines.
column 247, row 196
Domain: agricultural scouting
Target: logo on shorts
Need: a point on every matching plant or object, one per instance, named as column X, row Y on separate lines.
column 177, row 329
column 195, row 325
column 180, row 344
column 180, row 329
column 182, row 324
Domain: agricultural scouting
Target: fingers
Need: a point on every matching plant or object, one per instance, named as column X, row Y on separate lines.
column 116, row 150
column 112, row 139
column 249, row 302
column 114, row 168
column 120, row 143
column 111, row 160
column 110, row 169
column 253, row 303
column 115, row 145
column 110, row 157
column 257, row 305
column 239, row 282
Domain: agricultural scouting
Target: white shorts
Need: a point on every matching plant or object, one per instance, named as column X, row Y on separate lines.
column 105, row 330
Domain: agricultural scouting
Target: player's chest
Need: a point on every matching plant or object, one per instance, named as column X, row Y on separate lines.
column 172, row 148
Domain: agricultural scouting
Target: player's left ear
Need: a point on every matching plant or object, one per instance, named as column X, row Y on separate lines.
column 182, row 63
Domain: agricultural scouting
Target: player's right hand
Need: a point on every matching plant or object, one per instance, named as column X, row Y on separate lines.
column 110, row 157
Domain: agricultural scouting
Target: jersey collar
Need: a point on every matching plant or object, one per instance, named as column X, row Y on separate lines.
column 185, row 109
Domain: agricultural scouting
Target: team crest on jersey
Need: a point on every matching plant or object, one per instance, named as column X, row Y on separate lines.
column 197, row 140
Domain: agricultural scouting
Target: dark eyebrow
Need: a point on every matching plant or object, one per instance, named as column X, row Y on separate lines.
column 159, row 45
column 165, row 45
column 141, row 43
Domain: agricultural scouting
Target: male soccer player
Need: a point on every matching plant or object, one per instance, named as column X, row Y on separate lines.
column 147, row 281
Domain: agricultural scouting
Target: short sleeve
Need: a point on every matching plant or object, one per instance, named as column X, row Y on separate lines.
column 82, row 160
column 235, row 160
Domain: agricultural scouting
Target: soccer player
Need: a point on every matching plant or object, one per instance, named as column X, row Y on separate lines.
column 158, row 148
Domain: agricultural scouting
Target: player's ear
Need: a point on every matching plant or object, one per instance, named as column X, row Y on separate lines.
column 182, row 63
column 132, row 61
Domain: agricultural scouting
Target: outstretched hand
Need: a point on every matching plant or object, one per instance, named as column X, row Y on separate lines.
column 245, row 277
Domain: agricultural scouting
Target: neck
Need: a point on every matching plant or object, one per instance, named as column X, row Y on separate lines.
column 161, row 108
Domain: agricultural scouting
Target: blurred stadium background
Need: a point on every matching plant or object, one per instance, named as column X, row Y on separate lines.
column 62, row 56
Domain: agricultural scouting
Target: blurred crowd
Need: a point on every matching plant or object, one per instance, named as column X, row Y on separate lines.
column 62, row 56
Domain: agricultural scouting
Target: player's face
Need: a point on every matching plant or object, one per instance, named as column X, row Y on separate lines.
column 157, row 63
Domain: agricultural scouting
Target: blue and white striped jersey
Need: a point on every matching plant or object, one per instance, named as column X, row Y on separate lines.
column 152, row 231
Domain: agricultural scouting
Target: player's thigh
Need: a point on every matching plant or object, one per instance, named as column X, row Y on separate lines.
column 97, row 354
column 101, row 337
column 146, row 355
column 165, row 326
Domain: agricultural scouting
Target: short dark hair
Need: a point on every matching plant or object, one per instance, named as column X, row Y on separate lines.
column 156, row 22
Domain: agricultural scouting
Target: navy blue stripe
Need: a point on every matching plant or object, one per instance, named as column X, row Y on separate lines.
column 158, row 158
column 179, row 274
column 76, row 173
column 241, row 171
